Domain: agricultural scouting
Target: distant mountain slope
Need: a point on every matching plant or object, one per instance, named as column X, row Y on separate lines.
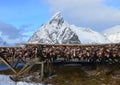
column 56, row 30
column 113, row 34
column 88, row 36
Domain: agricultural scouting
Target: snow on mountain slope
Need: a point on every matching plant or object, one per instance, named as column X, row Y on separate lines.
column 88, row 36
column 113, row 34
column 56, row 30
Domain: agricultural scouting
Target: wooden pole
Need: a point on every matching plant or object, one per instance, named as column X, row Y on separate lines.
column 42, row 70
column 21, row 71
column 25, row 70
column 5, row 62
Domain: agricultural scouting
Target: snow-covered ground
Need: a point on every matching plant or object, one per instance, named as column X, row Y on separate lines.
column 5, row 80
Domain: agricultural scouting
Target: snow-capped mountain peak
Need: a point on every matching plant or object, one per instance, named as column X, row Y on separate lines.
column 57, row 30
column 57, row 19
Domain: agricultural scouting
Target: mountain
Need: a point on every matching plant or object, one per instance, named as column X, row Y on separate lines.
column 88, row 36
column 113, row 34
column 2, row 42
column 57, row 30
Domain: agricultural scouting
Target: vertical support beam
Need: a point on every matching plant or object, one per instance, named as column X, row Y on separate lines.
column 12, row 60
column 97, row 67
column 42, row 70
column 50, row 68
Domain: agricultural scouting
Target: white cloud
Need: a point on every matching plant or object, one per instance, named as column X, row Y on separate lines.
column 11, row 34
column 88, row 13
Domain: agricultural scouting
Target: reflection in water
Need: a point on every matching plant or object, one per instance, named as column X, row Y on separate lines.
column 5, row 67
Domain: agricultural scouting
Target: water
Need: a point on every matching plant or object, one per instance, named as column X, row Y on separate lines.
column 5, row 67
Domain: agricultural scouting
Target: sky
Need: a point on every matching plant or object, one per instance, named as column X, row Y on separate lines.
column 19, row 19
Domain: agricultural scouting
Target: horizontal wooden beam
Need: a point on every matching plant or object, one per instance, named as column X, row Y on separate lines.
column 10, row 46
column 29, row 43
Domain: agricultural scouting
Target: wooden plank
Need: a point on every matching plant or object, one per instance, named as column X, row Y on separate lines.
column 42, row 70
column 24, row 67
column 10, row 46
column 5, row 62
column 27, row 68
column 23, row 71
column 68, row 44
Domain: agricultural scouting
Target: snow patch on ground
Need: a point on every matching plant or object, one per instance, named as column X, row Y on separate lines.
column 5, row 80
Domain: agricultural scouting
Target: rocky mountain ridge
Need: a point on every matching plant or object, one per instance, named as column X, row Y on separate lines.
column 58, row 31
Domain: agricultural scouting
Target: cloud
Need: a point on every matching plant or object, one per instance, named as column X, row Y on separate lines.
column 10, row 31
column 89, row 13
column 11, row 34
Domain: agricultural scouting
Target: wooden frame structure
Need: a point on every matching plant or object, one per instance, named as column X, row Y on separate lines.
column 13, row 62
column 33, row 54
